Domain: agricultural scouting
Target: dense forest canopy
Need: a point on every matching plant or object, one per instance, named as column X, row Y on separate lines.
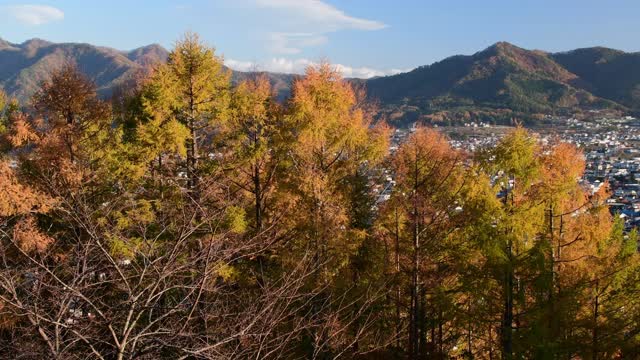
column 191, row 219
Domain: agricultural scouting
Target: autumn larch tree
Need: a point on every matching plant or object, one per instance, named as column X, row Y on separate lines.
column 194, row 87
column 69, row 104
column 252, row 138
column 429, row 184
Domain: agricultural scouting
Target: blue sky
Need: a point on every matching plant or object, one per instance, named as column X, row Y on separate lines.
column 365, row 37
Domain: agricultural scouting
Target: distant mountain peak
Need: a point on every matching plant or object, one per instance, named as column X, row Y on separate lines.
column 35, row 42
column 151, row 46
column 502, row 50
column 148, row 48
column 597, row 48
column 148, row 55
column 504, row 45
column 596, row 54
column 507, row 77
column 4, row 44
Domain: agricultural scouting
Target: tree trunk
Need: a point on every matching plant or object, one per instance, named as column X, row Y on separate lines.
column 192, row 146
column 594, row 341
column 422, row 323
column 490, row 342
column 398, row 291
column 192, row 157
column 440, row 337
column 469, row 331
column 415, row 307
column 507, row 317
column 257, row 189
column 506, row 333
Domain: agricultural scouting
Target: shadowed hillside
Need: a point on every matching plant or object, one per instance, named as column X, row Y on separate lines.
column 499, row 83
column 24, row 66
column 610, row 73
column 502, row 76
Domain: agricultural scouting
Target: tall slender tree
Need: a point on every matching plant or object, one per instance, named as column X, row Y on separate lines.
column 70, row 106
column 429, row 182
column 194, row 87
column 331, row 135
column 253, row 137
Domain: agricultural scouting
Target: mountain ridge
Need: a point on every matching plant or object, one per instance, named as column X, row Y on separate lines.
column 500, row 78
column 503, row 81
column 23, row 66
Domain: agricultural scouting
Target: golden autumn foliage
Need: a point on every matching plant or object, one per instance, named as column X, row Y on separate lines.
column 424, row 214
column 21, row 131
column 330, row 128
column 69, row 111
column 562, row 166
column 204, row 219
column 8, row 319
column 253, row 144
column 18, row 199
column 426, row 160
column 27, row 236
column 68, row 97
column 332, row 142
column 186, row 99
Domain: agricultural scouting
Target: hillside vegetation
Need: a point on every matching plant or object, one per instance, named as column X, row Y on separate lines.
column 494, row 85
column 199, row 219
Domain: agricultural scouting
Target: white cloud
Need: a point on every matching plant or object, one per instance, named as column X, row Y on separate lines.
column 298, row 66
column 34, row 14
column 307, row 23
column 360, row 72
column 292, row 43
column 399, row 71
column 319, row 12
